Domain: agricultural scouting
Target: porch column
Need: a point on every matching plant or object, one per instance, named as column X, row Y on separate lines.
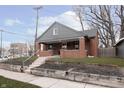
column 38, row 46
column 94, row 46
column 44, row 47
column 82, row 47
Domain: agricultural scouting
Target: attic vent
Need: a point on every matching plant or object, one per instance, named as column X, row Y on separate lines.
column 55, row 31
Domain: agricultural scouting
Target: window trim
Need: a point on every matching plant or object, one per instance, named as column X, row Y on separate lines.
column 55, row 31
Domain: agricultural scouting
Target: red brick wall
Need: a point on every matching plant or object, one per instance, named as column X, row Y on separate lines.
column 71, row 54
column 80, row 53
column 94, row 46
column 82, row 47
column 45, row 53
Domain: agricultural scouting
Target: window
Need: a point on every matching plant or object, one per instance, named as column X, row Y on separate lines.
column 73, row 45
column 76, row 44
column 55, row 31
column 50, row 46
column 64, row 46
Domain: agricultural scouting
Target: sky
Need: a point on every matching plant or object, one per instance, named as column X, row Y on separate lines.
column 22, row 20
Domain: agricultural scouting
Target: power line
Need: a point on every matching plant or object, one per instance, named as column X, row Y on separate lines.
column 1, row 46
column 20, row 34
column 13, row 33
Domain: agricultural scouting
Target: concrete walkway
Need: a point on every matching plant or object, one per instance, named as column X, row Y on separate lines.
column 39, row 61
column 45, row 82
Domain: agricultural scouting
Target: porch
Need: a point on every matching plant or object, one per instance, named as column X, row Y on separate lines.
column 72, row 48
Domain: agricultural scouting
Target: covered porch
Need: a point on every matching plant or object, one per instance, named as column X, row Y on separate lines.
column 64, row 48
column 76, row 48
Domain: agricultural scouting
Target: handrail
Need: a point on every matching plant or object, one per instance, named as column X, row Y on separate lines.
column 29, row 58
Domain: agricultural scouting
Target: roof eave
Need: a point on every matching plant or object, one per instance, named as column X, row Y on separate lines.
column 120, row 40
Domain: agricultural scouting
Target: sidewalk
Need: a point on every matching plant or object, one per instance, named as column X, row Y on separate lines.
column 45, row 82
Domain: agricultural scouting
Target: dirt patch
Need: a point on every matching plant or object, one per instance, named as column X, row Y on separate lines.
column 108, row 70
column 99, row 69
column 64, row 67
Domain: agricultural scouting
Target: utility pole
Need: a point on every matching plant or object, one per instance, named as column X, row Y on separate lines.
column 1, row 43
column 37, row 20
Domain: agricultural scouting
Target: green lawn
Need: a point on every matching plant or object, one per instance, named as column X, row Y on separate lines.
column 9, row 83
column 97, row 60
column 18, row 61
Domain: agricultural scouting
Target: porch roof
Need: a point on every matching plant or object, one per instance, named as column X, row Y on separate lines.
column 59, row 40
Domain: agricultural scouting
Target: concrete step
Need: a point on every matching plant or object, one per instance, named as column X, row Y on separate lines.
column 28, row 71
column 39, row 61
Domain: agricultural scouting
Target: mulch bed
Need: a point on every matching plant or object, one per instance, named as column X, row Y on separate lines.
column 99, row 69
column 64, row 67
column 85, row 68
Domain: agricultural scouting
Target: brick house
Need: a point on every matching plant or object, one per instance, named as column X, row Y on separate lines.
column 61, row 40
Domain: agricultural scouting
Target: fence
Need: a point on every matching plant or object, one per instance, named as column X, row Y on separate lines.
column 107, row 52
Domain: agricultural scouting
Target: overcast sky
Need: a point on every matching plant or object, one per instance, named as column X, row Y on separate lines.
column 22, row 19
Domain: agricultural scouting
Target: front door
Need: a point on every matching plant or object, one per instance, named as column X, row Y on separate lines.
column 56, row 48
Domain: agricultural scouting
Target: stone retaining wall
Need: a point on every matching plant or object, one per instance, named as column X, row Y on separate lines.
column 110, row 81
column 16, row 68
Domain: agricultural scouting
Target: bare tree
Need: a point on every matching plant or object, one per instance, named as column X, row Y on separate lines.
column 120, row 12
column 109, row 21
column 101, row 18
column 79, row 12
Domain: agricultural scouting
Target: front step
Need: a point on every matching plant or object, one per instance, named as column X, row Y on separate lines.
column 39, row 61
column 27, row 71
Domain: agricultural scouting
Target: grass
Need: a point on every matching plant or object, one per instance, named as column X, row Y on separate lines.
column 18, row 61
column 9, row 83
column 97, row 60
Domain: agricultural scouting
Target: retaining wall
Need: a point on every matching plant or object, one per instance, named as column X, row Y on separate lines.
column 110, row 81
column 10, row 67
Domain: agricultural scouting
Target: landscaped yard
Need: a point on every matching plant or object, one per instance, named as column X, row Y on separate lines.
column 18, row 61
column 102, row 66
column 9, row 83
column 96, row 60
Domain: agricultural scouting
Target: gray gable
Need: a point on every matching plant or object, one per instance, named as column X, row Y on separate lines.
column 63, row 33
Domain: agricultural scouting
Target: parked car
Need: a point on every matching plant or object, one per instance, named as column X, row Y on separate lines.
column 5, row 56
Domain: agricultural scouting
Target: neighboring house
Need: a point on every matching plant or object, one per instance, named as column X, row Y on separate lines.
column 18, row 49
column 3, row 52
column 61, row 40
column 120, row 48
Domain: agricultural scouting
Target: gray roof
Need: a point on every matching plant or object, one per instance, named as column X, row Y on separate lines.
column 119, row 41
column 89, row 33
column 64, row 33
